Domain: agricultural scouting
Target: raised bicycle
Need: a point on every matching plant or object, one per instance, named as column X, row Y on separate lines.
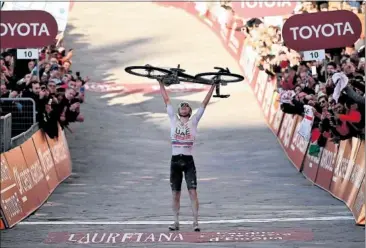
column 170, row 76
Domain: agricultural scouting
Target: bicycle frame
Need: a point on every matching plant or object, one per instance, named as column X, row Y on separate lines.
column 176, row 75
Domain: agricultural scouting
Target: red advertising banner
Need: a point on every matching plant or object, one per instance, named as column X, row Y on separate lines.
column 358, row 208
column 45, row 157
column 60, row 156
column 345, row 162
column 326, row 166
column 11, row 203
column 321, row 30
column 260, row 86
column 269, row 98
column 276, row 118
column 311, row 164
column 27, row 29
column 271, row 106
column 248, row 63
column 35, row 168
column 256, row 9
column 64, row 140
column 287, row 130
column 353, row 180
column 28, row 195
column 298, row 147
column 235, row 38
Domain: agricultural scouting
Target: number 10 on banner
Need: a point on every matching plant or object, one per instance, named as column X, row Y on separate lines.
column 317, row 55
column 29, row 53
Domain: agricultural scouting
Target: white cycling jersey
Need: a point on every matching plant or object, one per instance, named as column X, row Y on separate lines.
column 182, row 134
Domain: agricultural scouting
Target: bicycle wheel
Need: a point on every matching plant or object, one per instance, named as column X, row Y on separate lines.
column 223, row 77
column 147, row 71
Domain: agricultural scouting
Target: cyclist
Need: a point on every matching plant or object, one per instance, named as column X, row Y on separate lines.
column 183, row 132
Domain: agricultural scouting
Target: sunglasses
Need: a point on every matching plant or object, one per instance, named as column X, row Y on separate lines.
column 322, row 102
column 184, row 105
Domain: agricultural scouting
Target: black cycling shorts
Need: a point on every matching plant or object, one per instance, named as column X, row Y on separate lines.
column 178, row 165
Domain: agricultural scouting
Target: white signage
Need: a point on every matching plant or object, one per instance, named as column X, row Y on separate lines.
column 30, row 53
column 322, row 30
column 24, row 29
column 317, row 55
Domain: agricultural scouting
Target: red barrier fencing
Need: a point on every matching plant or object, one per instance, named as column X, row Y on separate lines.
column 30, row 173
column 338, row 169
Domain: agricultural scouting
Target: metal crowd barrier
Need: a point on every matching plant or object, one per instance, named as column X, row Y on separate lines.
column 21, row 138
column 23, row 113
column 5, row 132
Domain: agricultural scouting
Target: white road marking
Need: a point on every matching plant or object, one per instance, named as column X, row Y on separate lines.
column 269, row 220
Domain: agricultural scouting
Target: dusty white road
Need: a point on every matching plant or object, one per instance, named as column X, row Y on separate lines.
column 121, row 153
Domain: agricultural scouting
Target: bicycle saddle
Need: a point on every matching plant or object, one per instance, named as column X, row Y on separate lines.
column 177, row 69
column 221, row 96
column 222, row 69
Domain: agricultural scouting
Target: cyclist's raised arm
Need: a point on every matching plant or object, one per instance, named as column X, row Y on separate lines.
column 208, row 96
column 197, row 116
column 169, row 107
column 164, row 94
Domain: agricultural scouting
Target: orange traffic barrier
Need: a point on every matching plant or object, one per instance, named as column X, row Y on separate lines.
column 341, row 185
column 358, row 208
column 28, row 196
column 338, row 170
column 311, row 163
column 45, row 158
column 33, row 163
column 30, row 173
column 11, row 206
column 60, row 156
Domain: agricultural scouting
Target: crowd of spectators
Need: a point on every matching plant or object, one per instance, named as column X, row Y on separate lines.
column 333, row 89
column 50, row 82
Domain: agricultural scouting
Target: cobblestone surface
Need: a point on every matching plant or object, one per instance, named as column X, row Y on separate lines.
column 121, row 153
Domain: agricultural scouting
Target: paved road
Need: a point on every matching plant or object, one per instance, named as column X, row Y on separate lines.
column 120, row 190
